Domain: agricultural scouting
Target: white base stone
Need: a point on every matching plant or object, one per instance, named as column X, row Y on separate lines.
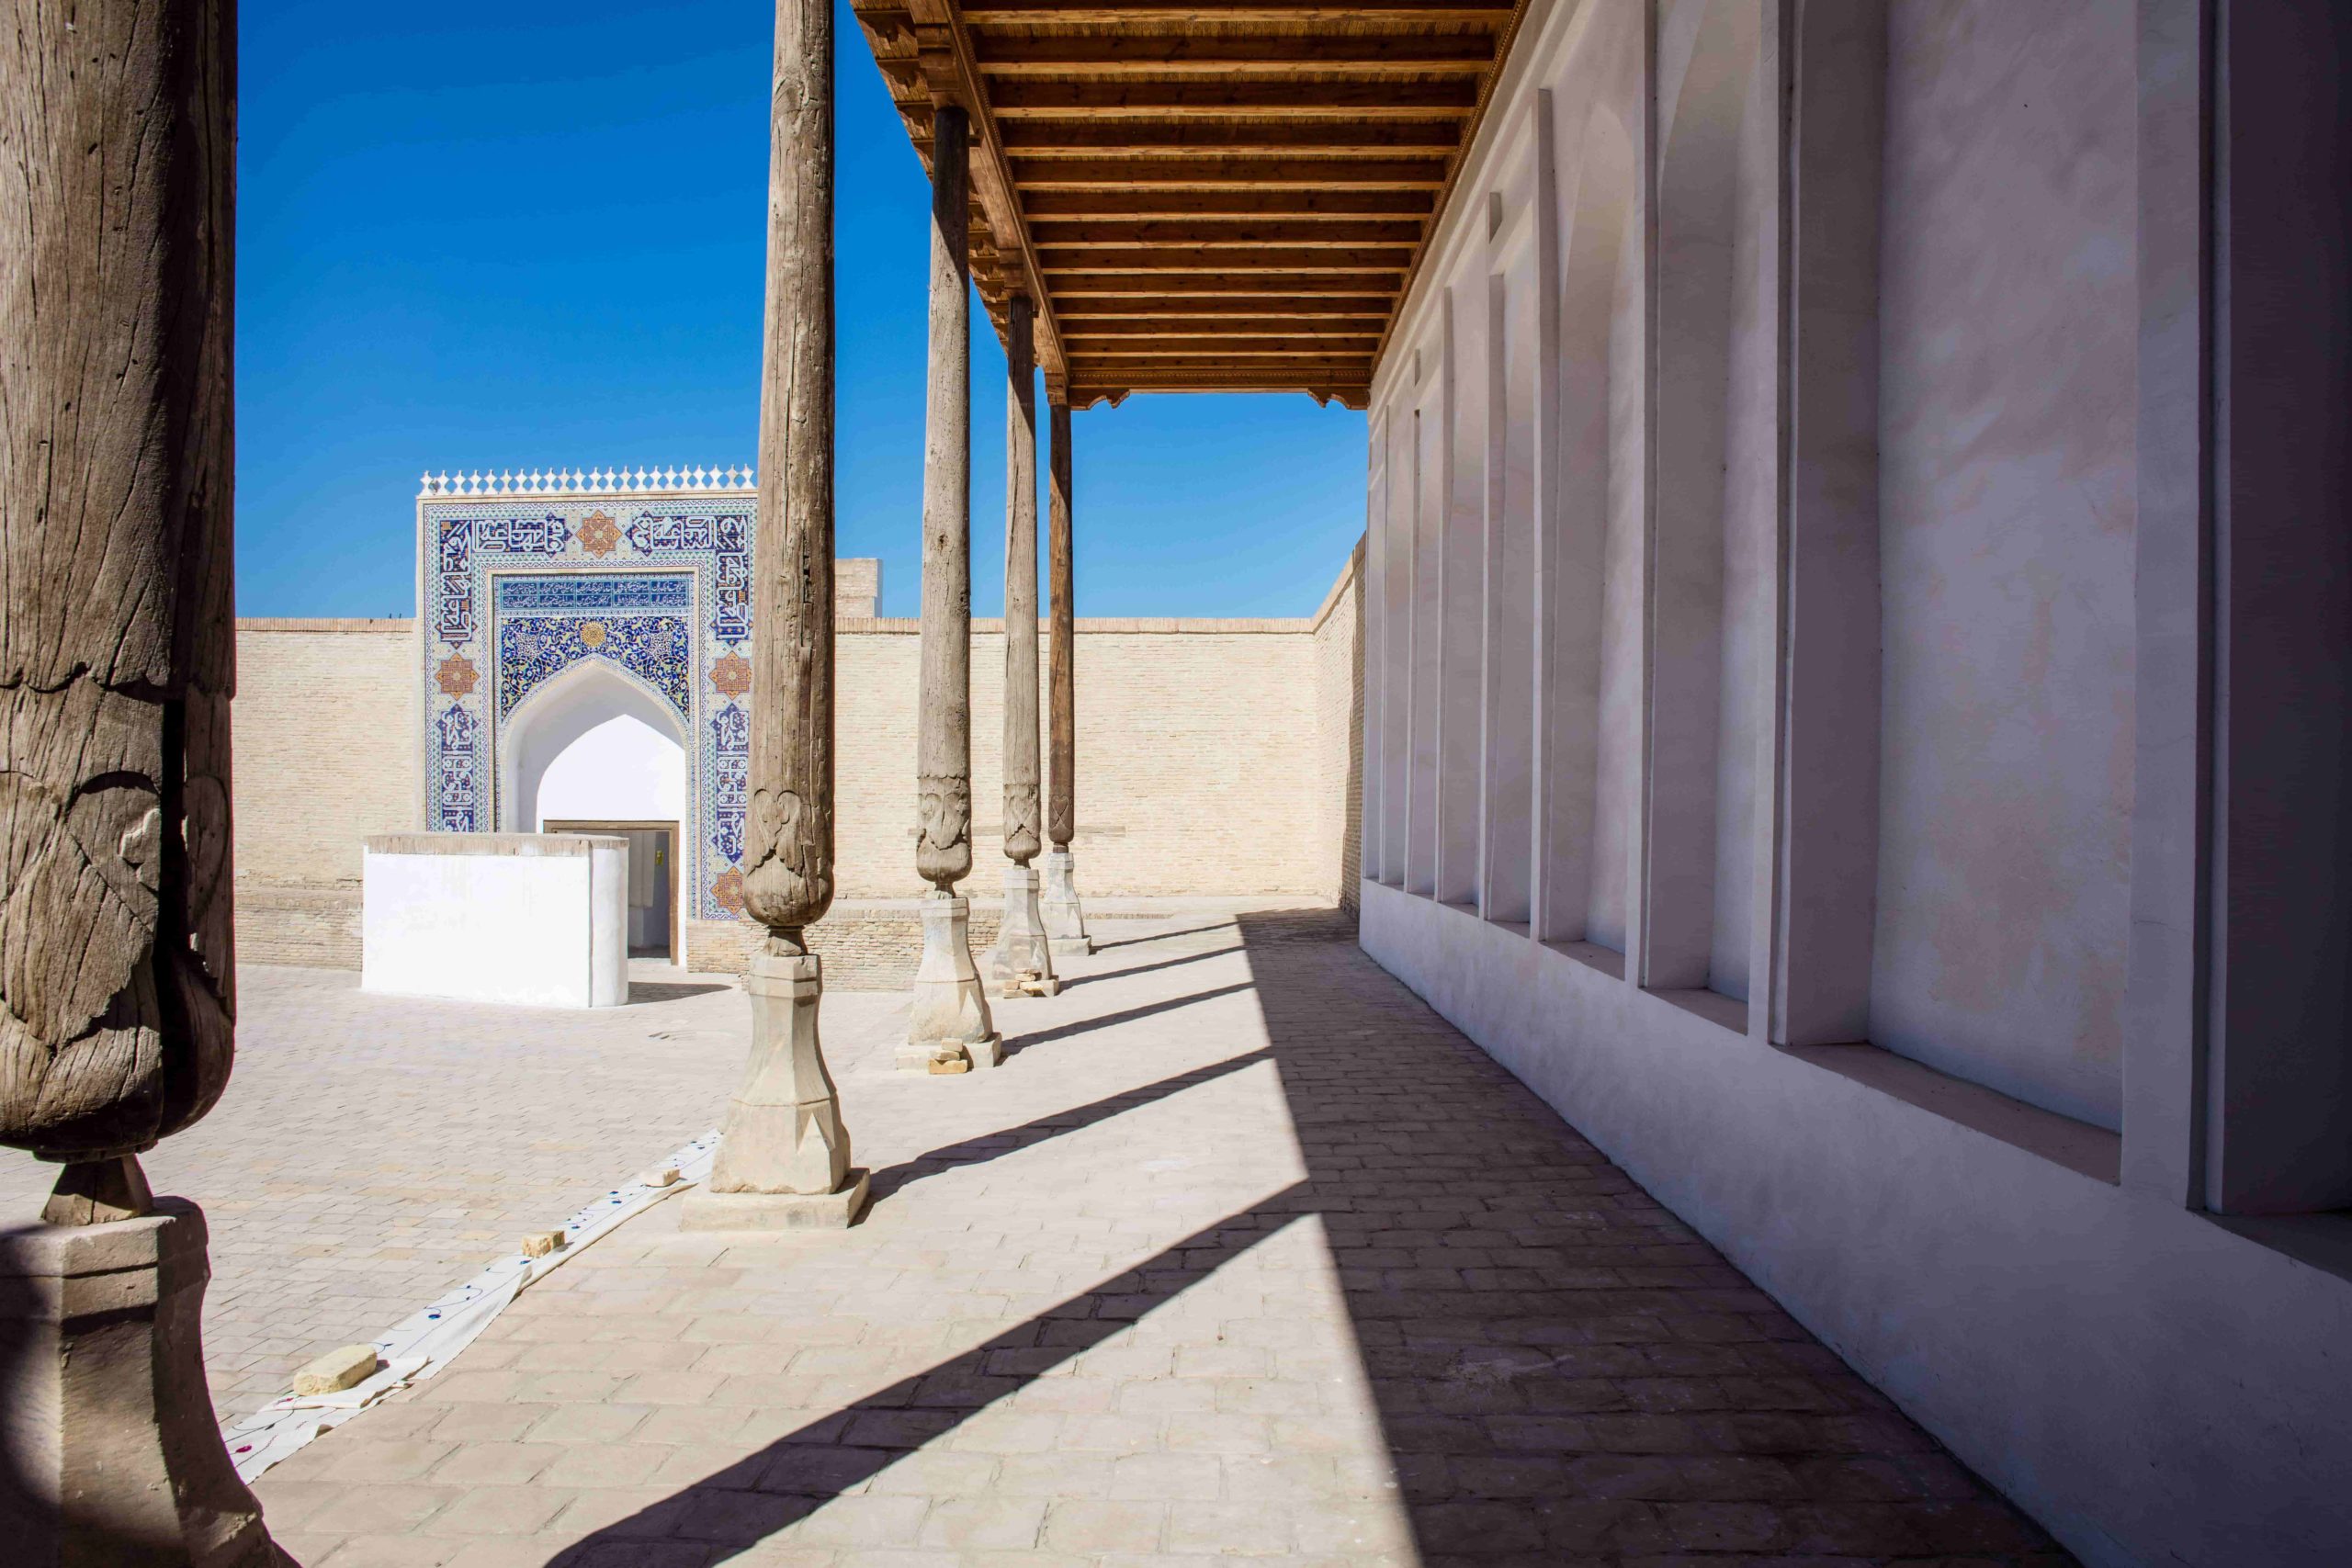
column 1021, row 964
column 539, row 920
column 707, row 1211
column 950, row 1010
column 1057, row 907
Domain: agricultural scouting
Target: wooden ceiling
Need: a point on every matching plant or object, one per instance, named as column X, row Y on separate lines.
column 1218, row 196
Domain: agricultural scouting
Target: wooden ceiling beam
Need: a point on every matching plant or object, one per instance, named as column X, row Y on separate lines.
column 1358, row 347
column 1081, row 315
column 1096, row 12
column 1443, row 98
column 1116, row 233
column 1221, row 284
column 1096, row 135
column 1233, row 202
column 1181, row 171
column 1203, row 194
column 1126, row 53
column 1106, row 372
column 1232, row 325
column 1163, row 259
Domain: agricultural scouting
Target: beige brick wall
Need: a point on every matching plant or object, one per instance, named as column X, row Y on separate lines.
column 1214, row 758
column 324, row 727
column 1339, row 717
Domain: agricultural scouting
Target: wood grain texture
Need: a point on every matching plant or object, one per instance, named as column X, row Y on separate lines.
column 788, row 837
column 944, row 726
column 1061, row 811
column 1022, row 830
column 1284, row 144
column 117, row 660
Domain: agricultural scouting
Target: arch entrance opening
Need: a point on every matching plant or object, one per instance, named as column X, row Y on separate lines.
column 596, row 751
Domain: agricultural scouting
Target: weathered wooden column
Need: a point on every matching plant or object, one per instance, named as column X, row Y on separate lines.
column 118, row 660
column 782, row 1159
column 948, row 1028
column 1065, row 918
column 1022, row 962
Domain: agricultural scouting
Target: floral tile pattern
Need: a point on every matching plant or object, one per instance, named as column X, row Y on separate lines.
column 523, row 588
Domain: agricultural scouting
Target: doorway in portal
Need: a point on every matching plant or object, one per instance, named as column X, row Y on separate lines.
column 652, row 881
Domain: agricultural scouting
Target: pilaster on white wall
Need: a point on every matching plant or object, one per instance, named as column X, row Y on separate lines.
column 1431, row 475
column 1372, row 842
column 1829, row 763
column 1460, row 451
column 2238, row 1059
column 1709, row 56
column 1506, row 833
column 1395, row 611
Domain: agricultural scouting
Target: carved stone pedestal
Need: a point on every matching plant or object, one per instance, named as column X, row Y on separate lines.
column 783, row 1160
column 950, row 1017
column 1021, row 964
column 1065, row 921
column 110, row 1450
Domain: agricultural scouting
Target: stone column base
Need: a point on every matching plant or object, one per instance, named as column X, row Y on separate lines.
column 110, row 1451
column 1021, row 964
column 1057, row 907
column 708, row 1211
column 783, row 1135
column 949, row 1021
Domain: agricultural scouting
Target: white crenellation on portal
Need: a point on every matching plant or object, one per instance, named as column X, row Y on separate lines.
column 588, row 481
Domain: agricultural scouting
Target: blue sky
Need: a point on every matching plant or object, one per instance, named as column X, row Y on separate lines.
column 528, row 235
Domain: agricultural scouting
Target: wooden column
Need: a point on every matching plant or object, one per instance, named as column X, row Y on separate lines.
column 783, row 1158
column 1061, row 811
column 943, row 739
column 1065, row 917
column 1023, row 961
column 116, row 664
column 948, row 1027
column 1021, row 837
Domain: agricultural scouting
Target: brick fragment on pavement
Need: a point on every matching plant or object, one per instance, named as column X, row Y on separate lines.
column 338, row 1370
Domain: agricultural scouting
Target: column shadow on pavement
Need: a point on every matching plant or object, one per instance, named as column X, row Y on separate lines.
column 736, row 1508
column 1562, row 1370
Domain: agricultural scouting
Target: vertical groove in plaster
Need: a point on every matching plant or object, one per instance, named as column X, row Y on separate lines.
column 1766, row 1008
column 1543, row 508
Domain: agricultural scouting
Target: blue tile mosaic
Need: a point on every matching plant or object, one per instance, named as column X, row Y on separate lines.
column 657, row 585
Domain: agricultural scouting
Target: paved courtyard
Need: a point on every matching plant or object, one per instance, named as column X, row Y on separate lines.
column 372, row 1152
column 1243, row 1253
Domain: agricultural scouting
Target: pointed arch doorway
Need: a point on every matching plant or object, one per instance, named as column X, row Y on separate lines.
column 596, row 750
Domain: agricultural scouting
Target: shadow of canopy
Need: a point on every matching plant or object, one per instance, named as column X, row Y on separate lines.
column 1561, row 1371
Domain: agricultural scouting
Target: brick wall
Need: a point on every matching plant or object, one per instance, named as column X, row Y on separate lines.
column 325, row 733
column 1214, row 758
column 1338, row 718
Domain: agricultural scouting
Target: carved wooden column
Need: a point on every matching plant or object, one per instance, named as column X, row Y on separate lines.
column 116, row 664
column 948, row 1028
column 783, row 1158
column 1065, row 919
column 1022, row 962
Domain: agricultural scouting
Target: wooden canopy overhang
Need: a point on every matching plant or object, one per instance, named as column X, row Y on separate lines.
column 1218, row 196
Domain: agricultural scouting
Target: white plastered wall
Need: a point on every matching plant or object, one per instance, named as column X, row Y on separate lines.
column 1833, row 621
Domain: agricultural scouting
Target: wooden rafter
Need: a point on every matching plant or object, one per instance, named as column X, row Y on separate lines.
column 1205, row 194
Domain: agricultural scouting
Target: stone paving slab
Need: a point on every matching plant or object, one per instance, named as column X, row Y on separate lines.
column 371, row 1151
column 1244, row 1253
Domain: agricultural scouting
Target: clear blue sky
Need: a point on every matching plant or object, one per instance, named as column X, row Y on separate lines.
column 529, row 234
